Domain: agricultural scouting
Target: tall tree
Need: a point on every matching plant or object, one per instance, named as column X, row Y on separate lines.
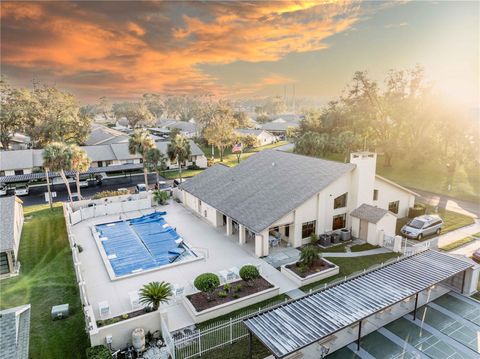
column 156, row 161
column 80, row 164
column 140, row 142
column 104, row 107
column 54, row 115
column 154, row 104
column 57, row 157
column 14, row 110
column 182, row 108
column 220, row 132
column 179, row 151
column 136, row 113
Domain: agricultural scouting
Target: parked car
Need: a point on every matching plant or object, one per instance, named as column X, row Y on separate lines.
column 21, row 190
column 140, row 187
column 164, row 186
column 83, row 182
column 422, row 226
column 176, row 181
column 3, row 189
column 75, row 197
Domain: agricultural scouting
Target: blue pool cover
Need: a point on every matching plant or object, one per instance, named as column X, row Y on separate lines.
column 140, row 244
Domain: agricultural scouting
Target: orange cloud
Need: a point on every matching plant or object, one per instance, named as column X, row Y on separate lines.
column 96, row 53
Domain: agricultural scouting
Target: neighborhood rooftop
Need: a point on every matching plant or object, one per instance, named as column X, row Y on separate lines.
column 302, row 322
column 369, row 213
column 264, row 187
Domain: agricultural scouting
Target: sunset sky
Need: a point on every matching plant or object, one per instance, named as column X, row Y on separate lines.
column 122, row 49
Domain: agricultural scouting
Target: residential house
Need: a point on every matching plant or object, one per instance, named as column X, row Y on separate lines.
column 103, row 135
column 263, row 137
column 275, row 192
column 11, row 220
column 15, row 332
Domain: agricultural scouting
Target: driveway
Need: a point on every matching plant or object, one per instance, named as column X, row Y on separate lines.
column 452, row 204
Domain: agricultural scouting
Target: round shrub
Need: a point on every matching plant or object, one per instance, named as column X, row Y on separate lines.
column 249, row 273
column 206, row 282
column 98, row 352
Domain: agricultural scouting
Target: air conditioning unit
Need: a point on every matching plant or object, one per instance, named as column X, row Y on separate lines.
column 60, row 311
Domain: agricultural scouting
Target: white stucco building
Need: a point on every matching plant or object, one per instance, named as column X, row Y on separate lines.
column 11, row 224
column 263, row 137
column 295, row 196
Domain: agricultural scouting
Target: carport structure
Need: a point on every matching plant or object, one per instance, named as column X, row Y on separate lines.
column 292, row 326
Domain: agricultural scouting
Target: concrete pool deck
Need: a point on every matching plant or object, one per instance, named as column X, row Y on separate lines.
column 219, row 252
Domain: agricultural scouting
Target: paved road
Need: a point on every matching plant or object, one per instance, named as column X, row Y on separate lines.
column 37, row 194
column 450, row 203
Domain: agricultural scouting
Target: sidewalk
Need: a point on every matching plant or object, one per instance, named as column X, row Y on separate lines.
column 460, row 233
column 357, row 254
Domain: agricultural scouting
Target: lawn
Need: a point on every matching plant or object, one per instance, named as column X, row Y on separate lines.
column 430, row 176
column 363, row 247
column 460, row 242
column 47, row 278
column 185, row 174
column 452, row 221
column 349, row 265
column 230, row 159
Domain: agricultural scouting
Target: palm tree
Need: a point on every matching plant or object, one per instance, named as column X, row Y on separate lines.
column 80, row 163
column 179, row 151
column 57, row 157
column 155, row 161
column 139, row 143
column 155, row 293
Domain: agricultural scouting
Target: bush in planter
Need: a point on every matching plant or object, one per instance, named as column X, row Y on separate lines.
column 238, row 288
column 222, row 294
column 155, row 293
column 161, row 197
column 249, row 273
column 314, row 239
column 308, row 256
column 207, row 283
column 98, row 352
column 227, row 287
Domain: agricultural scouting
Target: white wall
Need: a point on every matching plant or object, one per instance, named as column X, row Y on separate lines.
column 363, row 177
column 390, row 193
column 17, row 226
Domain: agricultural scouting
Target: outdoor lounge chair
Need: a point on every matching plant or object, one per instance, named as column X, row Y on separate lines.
column 134, row 299
column 104, row 308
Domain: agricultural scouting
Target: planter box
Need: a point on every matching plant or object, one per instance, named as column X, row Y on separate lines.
column 312, row 278
column 226, row 308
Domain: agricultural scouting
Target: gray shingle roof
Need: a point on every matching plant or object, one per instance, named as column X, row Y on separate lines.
column 282, row 126
column 265, row 187
column 102, row 135
column 100, row 153
column 7, row 205
column 250, row 131
column 194, row 149
column 369, row 213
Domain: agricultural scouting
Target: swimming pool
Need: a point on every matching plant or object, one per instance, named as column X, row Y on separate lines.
column 140, row 244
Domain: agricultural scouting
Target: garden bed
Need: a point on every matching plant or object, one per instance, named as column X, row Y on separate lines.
column 321, row 269
column 201, row 310
column 201, row 302
column 125, row 316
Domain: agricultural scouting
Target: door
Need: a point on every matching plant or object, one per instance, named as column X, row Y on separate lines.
column 363, row 233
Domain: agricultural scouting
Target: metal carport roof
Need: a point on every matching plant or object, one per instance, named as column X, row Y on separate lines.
column 91, row 170
column 296, row 324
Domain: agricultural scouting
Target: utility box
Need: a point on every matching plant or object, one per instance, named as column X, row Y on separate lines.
column 60, row 311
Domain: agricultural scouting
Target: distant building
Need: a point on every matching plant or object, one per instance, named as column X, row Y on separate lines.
column 19, row 141
column 164, row 127
column 263, row 137
column 103, row 135
column 15, row 332
column 11, row 220
column 279, row 128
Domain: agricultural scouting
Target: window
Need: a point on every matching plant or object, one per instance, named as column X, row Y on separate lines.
column 375, row 194
column 287, row 231
column 205, row 213
column 18, row 172
column 308, row 228
column 393, row 206
column 339, row 221
column 340, row 201
column 4, row 263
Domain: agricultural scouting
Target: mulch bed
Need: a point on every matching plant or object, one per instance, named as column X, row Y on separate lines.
column 201, row 302
column 318, row 266
column 119, row 318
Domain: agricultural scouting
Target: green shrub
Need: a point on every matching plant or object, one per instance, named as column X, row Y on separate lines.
column 207, row 283
column 236, row 296
column 238, row 288
column 249, row 273
column 227, row 287
column 98, row 352
column 417, row 210
column 104, row 194
column 313, row 239
column 161, row 197
column 222, row 294
column 308, row 255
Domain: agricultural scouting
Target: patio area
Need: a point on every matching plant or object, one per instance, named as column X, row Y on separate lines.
column 218, row 252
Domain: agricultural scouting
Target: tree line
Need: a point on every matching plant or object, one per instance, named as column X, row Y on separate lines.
column 404, row 118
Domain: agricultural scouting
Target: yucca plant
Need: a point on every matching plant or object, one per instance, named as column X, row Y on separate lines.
column 308, row 255
column 155, row 293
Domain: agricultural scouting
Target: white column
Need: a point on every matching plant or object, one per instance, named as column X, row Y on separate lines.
column 242, row 237
column 229, row 226
column 397, row 244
